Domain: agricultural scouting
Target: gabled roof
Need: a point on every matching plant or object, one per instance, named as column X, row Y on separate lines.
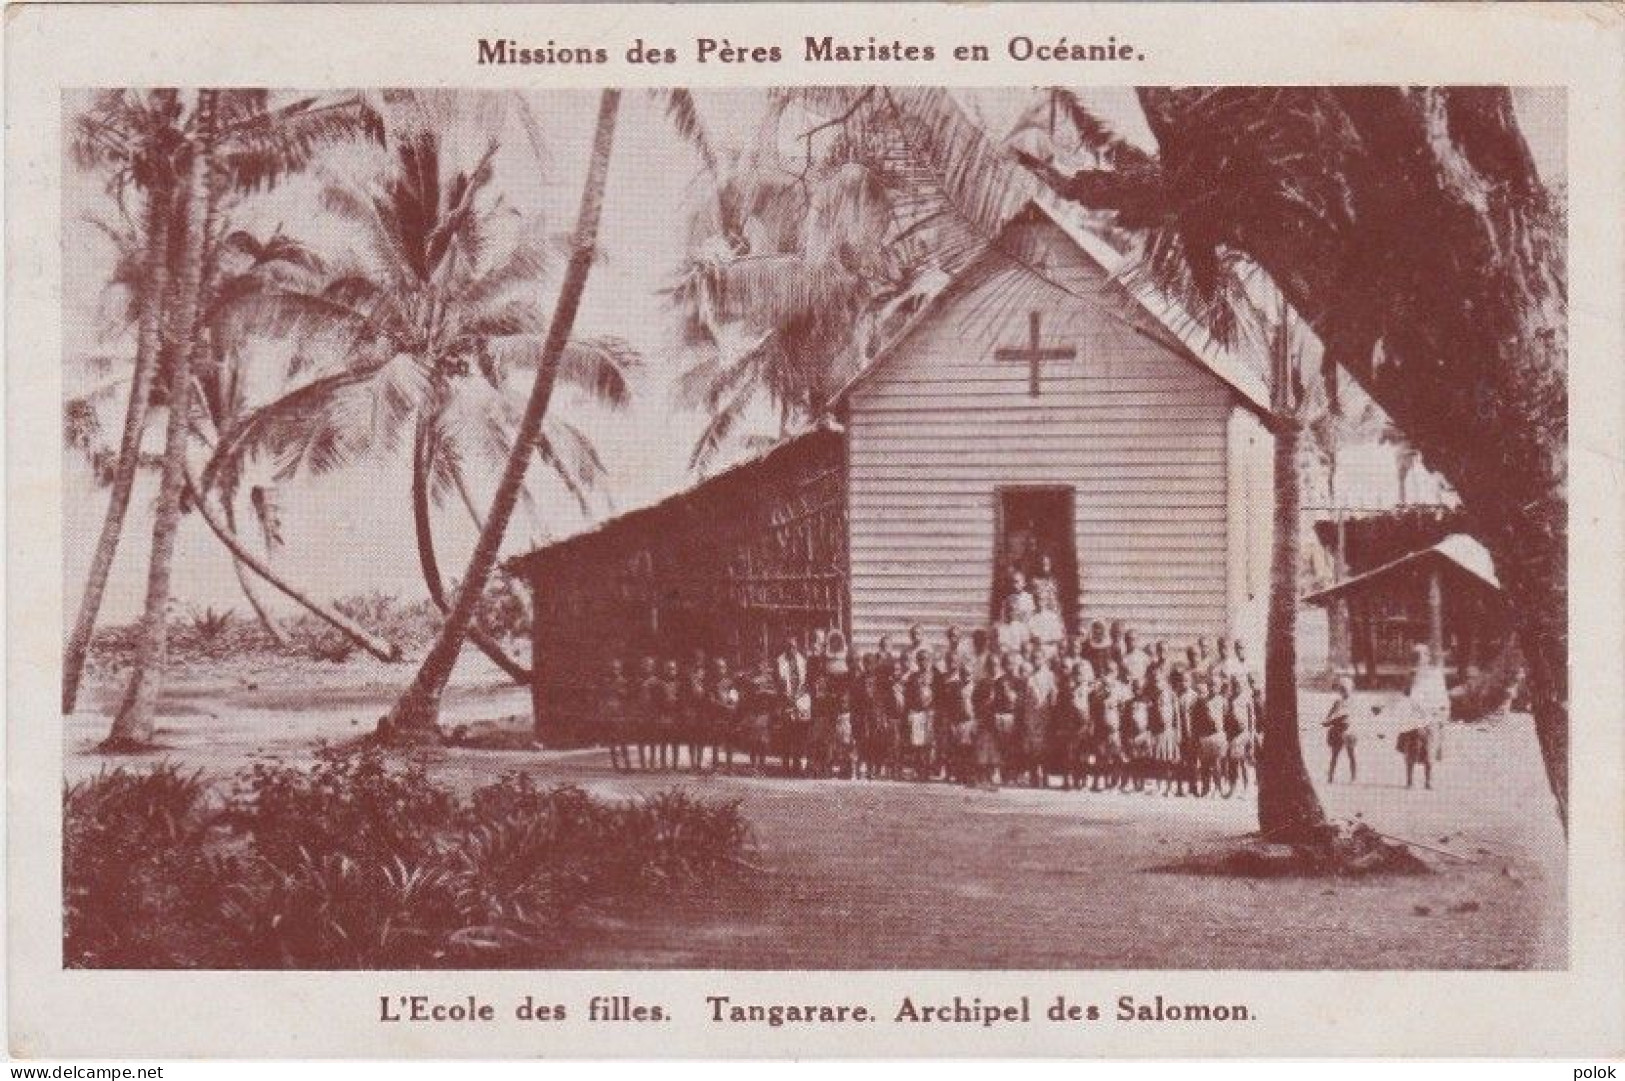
column 1459, row 551
column 1173, row 328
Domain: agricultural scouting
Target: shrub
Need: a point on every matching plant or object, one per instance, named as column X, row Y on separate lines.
column 350, row 803
column 138, row 875
column 354, row 862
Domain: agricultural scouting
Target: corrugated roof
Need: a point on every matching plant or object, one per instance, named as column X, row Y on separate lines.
column 1460, row 550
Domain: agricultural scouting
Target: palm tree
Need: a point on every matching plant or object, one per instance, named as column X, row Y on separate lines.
column 1288, row 807
column 146, row 140
column 139, row 136
column 134, row 723
column 222, row 398
column 796, row 271
column 415, row 716
column 1411, row 228
column 427, row 331
column 1220, row 292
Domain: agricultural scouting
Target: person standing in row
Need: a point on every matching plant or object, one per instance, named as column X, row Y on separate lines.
column 1339, row 725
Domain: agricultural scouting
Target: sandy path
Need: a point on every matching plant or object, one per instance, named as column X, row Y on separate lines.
column 902, row 875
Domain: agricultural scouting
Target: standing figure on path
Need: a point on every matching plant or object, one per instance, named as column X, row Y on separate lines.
column 945, row 693
column 648, row 703
column 835, row 739
column 1038, row 713
column 1339, row 734
column 1162, row 722
column 1005, row 703
column 1184, row 698
column 668, row 717
column 616, row 706
column 1241, row 726
column 695, row 710
column 1208, row 722
column 921, row 702
column 790, row 670
column 724, row 715
column 892, row 719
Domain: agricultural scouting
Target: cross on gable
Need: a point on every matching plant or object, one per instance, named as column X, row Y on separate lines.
column 1034, row 354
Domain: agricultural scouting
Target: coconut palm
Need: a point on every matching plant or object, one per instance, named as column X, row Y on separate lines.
column 133, row 725
column 797, row 270
column 222, row 398
column 1228, row 300
column 426, row 328
column 145, row 140
column 1412, row 229
column 415, row 716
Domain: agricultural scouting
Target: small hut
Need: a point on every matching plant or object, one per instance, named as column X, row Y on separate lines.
column 1444, row 596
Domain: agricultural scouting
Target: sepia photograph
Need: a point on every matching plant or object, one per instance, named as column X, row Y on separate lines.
column 818, row 527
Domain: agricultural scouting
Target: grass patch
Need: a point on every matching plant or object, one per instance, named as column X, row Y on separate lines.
column 359, row 862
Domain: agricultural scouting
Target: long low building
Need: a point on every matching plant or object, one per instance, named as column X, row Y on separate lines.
column 1036, row 407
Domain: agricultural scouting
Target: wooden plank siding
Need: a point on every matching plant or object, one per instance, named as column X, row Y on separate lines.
column 1142, row 434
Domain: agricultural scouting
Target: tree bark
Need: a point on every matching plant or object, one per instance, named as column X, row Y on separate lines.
column 429, row 562
column 135, row 721
column 416, row 716
column 129, row 459
column 1412, row 230
column 1288, row 808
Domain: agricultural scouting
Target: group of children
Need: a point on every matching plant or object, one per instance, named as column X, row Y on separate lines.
column 1098, row 710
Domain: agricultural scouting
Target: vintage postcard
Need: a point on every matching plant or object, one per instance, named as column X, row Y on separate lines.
column 815, row 530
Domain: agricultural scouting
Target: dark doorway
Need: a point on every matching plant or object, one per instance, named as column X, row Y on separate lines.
column 1030, row 524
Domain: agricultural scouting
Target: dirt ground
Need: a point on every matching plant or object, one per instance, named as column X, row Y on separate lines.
column 861, row 875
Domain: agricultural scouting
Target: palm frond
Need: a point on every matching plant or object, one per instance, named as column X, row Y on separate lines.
column 258, row 147
column 601, row 366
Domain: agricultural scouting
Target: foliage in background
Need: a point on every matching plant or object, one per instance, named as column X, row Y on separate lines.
column 211, row 635
column 354, row 862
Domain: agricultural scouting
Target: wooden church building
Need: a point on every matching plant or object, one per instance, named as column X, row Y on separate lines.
column 1035, row 406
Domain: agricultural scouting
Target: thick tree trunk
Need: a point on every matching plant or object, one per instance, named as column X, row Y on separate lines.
column 1411, row 228
column 129, row 457
column 416, row 716
column 1288, row 808
column 429, row 562
column 134, row 724
column 378, row 647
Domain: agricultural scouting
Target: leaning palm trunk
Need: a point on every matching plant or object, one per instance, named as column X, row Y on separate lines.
column 1288, row 808
column 133, row 726
column 378, row 647
column 416, row 715
column 429, row 562
column 246, row 583
column 129, row 457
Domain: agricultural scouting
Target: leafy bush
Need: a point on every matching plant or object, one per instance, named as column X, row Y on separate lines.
column 137, row 869
column 354, row 862
column 349, row 802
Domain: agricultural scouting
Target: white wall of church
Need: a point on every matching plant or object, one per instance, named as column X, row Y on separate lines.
column 1139, row 432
